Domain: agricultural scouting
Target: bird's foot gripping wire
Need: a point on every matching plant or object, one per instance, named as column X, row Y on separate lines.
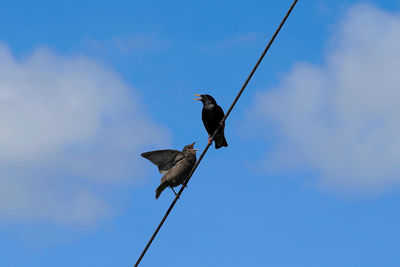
column 209, row 140
column 174, row 191
column 222, row 123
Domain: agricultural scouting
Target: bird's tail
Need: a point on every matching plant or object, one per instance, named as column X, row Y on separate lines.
column 220, row 141
column 161, row 188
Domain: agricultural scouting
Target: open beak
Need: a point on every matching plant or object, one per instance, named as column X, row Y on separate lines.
column 198, row 96
column 192, row 145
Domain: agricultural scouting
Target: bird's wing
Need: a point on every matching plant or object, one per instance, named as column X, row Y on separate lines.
column 219, row 113
column 207, row 122
column 164, row 159
column 211, row 118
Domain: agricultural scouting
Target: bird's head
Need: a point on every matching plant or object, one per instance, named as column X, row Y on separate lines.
column 189, row 149
column 191, row 153
column 206, row 99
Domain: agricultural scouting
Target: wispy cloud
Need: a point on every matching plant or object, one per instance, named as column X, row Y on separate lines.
column 69, row 127
column 128, row 45
column 341, row 119
column 229, row 42
column 139, row 43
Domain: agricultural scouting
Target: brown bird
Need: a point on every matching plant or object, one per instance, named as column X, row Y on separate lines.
column 174, row 164
column 211, row 115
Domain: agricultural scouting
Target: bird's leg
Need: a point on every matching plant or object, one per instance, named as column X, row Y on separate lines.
column 174, row 191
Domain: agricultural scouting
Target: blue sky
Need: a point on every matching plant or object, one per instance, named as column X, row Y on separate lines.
column 311, row 174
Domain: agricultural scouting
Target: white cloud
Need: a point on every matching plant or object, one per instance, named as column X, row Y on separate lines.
column 69, row 128
column 342, row 118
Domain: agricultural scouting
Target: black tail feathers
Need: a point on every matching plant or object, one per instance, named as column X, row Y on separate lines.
column 160, row 188
column 220, row 141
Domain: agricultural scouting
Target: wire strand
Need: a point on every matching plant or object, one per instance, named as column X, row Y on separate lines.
column 213, row 136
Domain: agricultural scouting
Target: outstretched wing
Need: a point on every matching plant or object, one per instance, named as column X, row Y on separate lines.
column 164, row 159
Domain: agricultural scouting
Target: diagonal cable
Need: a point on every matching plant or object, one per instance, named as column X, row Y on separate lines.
column 213, row 136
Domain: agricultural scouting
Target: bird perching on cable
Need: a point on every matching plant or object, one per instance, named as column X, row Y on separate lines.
column 174, row 164
column 211, row 115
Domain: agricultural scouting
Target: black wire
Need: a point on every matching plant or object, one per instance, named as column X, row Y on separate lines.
column 212, row 138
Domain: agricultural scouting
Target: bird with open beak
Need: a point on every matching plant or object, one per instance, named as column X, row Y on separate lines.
column 175, row 165
column 211, row 115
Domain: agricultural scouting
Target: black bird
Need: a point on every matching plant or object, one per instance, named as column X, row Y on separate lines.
column 174, row 164
column 212, row 115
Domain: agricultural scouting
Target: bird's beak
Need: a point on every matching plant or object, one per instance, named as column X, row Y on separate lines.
column 198, row 96
column 194, row 149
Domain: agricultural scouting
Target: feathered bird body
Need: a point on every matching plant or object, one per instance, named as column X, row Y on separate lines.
column 211, row 115
column 178, row 174
column 174, row 164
